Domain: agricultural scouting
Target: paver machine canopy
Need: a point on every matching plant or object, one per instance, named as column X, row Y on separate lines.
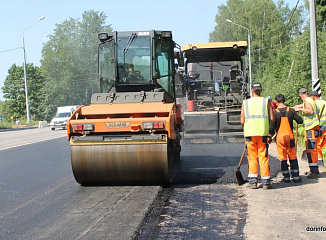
column 130, row 131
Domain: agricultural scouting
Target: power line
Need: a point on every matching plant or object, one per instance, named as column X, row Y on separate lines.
column 293, row 11
column 11, row 50
column 274, row 46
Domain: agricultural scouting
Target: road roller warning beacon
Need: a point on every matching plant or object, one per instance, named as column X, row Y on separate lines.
column 129, row 134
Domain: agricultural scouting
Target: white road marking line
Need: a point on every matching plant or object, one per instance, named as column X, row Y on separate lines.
column 24, row 144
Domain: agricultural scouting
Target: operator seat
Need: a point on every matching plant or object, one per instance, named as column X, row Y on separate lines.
column 235, row 79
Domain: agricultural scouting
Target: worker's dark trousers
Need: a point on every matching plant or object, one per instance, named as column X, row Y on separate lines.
column 311, row 137
column 294, row 170
column 285, row 170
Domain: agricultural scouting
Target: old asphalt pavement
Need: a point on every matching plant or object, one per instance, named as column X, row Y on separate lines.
column 289, row 210
column 228, row 211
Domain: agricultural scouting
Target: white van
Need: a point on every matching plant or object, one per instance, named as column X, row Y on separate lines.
column 62, row 116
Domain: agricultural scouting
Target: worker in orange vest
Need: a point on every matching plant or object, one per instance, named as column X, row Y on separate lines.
column 322, row 139
column 312, row 132
column 256, row 113
column 285, row 142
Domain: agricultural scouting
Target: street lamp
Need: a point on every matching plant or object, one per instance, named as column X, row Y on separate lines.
column 229, row 21
column 25, row 71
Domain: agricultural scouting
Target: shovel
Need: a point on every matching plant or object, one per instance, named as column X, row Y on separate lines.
column 238, row 174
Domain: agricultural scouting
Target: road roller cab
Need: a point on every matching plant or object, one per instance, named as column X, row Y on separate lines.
column 129, row 134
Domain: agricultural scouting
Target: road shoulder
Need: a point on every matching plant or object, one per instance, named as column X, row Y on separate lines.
column 289, row 210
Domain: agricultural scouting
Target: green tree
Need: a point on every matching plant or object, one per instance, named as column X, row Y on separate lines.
column 270, row 25
column 69, row 62
column 290, row 68
column 321, row 14
column 14, row 92
column 322, row 60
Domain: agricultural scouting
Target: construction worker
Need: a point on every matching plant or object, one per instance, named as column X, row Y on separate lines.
column 132, row 75
column 285, row 142
column 322, row 125
column 256, row 113
column 311, row 125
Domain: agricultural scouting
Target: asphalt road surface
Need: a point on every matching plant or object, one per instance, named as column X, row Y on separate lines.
column 205, row 201
column 39, row 198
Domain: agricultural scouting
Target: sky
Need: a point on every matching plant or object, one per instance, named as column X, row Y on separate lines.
column 190, row 21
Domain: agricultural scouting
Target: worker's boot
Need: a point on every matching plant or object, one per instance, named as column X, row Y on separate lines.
column 252, row 182
column 312, row 175
column 252, row 186
column 285, row 171
column 320, row 162
column 267, row 186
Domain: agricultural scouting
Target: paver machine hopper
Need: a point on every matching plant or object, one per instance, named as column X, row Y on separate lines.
column 129, row 134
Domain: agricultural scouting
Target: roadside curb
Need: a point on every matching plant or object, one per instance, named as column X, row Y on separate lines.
column 16, row 129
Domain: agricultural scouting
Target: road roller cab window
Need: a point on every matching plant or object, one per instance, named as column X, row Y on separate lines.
column 164, row 64
column 106, row 65
column 134, row 59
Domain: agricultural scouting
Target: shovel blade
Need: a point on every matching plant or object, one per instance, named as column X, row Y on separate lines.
column 239, row 177
column 304, row 155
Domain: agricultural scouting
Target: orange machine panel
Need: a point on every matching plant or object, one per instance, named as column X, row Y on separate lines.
column 124, row 117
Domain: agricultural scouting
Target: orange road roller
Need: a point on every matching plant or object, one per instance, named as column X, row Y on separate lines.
column 130, row 132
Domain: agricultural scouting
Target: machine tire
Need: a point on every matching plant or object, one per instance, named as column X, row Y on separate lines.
column 171, row 163
column 52, row 129
column 176, row 152
column 177, row 147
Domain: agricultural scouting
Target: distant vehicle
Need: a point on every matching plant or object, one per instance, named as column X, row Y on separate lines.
column 62, row 116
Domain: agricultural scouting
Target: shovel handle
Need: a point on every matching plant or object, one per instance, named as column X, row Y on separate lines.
column 242, row 157
column 321, row 112
column 296, row 135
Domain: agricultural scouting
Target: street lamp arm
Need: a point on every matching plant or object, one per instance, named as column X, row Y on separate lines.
column 250, row 79
column 229, row 21
column 40, row 19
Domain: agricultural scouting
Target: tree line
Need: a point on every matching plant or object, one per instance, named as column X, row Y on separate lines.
column 280, row 42
column 280, row 56
column 68, row 71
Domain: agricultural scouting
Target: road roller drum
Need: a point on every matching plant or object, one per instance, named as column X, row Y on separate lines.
column 122, row 163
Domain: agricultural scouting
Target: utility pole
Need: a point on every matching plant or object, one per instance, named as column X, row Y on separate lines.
column 25, row 71
column 314, row 49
